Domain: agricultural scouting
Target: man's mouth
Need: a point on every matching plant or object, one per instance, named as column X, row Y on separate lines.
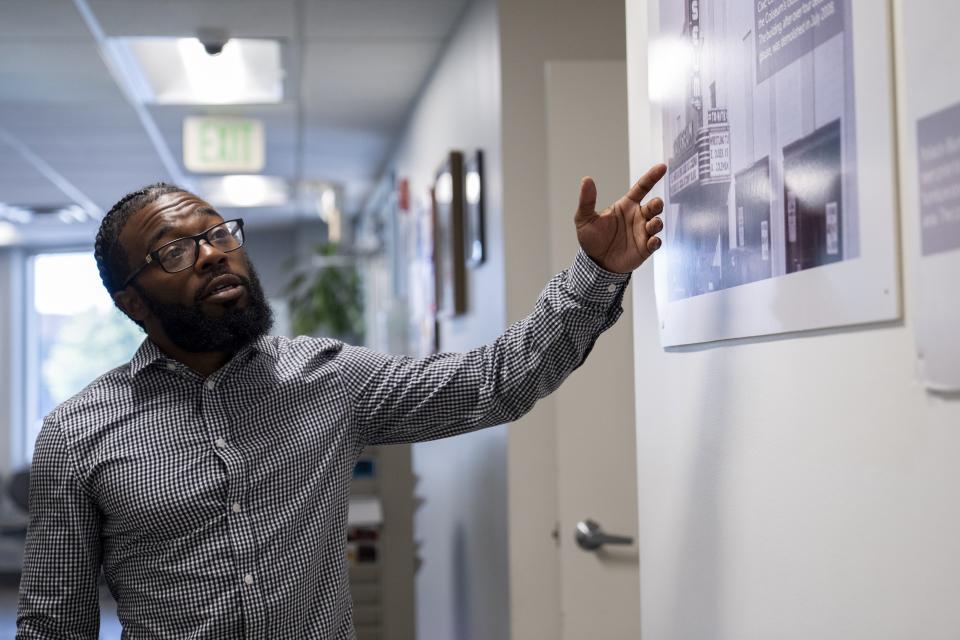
column 223, row 288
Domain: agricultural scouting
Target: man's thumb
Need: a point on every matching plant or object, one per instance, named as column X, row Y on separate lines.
column 587, row 208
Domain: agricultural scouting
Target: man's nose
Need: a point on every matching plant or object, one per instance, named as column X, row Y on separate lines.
column 208, row 256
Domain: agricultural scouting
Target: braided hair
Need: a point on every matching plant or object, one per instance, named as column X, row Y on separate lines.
column 112, row 260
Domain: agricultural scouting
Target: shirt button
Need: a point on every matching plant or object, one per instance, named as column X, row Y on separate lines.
column 611, row 288
column 171, row 366
column 236, row 507
column 221, row 443
column 248, row 578
column 211, row 384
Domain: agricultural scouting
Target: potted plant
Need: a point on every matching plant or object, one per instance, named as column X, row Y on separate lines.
column 325, row 297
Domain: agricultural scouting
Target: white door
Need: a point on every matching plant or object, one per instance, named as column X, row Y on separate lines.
column 597, row 480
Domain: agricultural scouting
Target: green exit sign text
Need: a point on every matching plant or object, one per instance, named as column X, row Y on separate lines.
column 223, row 145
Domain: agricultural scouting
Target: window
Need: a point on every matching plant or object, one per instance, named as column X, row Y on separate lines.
column 73, row 334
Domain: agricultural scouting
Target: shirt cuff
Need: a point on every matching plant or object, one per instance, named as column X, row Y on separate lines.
column 593, row 284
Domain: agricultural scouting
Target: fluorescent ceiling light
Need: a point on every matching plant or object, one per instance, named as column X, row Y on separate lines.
column 245, row 191
column 180, row 71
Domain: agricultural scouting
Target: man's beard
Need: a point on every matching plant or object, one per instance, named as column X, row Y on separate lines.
column 190, row 329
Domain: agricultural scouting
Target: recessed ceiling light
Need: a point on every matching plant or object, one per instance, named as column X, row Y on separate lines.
column 245, row 191
column 180, row 71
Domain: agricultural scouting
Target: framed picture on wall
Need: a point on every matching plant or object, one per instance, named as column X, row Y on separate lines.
column 930, row 155
column 473, row 191
column 423, row 335
column 772, row 228
column 449, row 239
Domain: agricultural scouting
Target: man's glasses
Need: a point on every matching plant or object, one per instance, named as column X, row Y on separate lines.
column 181, row 254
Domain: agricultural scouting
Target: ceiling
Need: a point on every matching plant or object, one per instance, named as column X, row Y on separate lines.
column 353, row 71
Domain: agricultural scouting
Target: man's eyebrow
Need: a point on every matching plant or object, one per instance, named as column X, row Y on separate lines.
column 206, row 211
column 165, row 229
column 162, row 231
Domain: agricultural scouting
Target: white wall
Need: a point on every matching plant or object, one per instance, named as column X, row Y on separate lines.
column 461, row 527
column 799, row 486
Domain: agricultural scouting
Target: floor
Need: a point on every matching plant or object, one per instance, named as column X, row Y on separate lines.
column 109, row 625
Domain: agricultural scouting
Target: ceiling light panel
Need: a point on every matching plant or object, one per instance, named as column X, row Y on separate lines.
column 178, row 71
column 245, row 191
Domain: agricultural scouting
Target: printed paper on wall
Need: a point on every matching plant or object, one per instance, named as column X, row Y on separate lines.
column 763, row 135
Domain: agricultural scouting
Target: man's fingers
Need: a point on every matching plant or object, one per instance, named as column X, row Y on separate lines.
column 652, row 209
column 654, row 226
column 587, row 208
column 646, row 182
column 653, row 244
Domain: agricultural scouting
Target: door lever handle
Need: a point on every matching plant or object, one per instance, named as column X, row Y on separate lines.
column 591, row 537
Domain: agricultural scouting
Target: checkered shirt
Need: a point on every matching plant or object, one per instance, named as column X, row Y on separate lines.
column 217, row 506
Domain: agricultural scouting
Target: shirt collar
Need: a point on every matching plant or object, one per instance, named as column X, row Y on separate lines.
column 148, row 353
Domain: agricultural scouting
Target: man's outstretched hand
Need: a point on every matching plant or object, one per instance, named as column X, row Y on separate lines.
column 623, row 235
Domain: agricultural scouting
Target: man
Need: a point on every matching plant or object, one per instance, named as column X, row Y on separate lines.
column 209, row 476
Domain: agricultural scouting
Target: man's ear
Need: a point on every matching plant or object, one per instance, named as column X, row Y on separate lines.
column 131, row 303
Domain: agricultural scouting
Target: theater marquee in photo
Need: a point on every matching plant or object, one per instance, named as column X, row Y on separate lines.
column 774, row 221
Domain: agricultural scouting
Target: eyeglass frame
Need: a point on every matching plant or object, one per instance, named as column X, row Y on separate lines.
column 154, row 256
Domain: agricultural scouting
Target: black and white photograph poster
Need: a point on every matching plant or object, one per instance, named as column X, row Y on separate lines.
column 776, row 123
column 929, row 112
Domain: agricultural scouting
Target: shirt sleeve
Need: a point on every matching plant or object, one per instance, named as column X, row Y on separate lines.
column 400, row 399
column 59, row 593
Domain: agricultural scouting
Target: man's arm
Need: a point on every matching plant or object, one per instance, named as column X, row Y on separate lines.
column 401, row 399
column 404, row 400
column 59, row 594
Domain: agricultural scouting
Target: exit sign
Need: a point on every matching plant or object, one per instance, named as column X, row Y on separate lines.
column 223, row 145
